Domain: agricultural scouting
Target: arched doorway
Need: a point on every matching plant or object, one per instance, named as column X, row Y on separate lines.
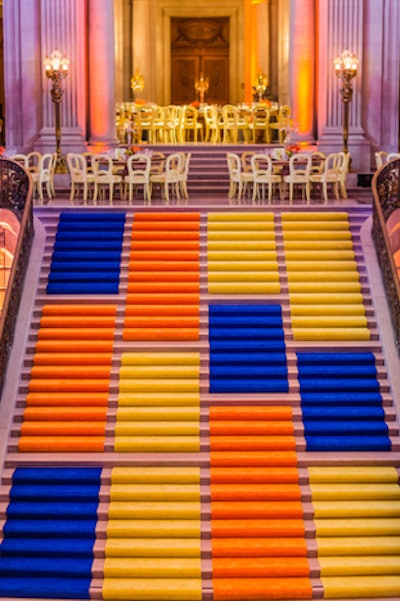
column 199, row 47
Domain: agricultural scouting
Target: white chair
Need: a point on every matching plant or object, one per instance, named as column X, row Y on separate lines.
column 263, row 174
column 34, row 161
column 169, row 179
column 239, row 180
column 139, row 166
column 45, row 175
column 22, row 159
column 393, row 155
column 184, row 174
column 343, row 160
column 381, row 157
column 317, row 162
column 104, row 177
column 81, row 177
column 329, row 176
column 299, row 174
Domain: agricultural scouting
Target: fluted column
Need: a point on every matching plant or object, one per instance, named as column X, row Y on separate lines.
column 301, row 68
column 62, row 28
column 101, row 65
column 340, row 28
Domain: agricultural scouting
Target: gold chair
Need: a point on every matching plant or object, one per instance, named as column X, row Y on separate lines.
column 212, row 124
column 158, row 125
column 233, row 123
column 145, row 117
column 282, row 123
column 172, row 114
column 189, row 123
column 260, row 121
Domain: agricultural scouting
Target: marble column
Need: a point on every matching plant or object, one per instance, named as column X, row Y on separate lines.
column 62, row 28
column 101, row 65
column 340, row 27
column 301, row 69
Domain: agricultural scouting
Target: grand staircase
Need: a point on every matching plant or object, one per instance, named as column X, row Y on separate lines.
column 184, row 430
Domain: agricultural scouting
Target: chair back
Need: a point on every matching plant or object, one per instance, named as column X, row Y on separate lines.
column 77, row 165
column 260, row 116
column 102, row 167
column 261, row 165
column 173, row 166
column 234, row 165
column 139, row 166
column 34, row 161
column 317, row 162
column 300, row 165
column 381, row 158
column 189, row 116
column 47, row 166
column 22, row 159
column 229, row 115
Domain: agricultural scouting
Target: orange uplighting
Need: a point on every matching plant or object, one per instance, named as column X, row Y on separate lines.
column 250, row 48
column 304, row 95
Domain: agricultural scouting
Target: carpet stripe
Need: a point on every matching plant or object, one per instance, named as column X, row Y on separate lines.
column 75, row 271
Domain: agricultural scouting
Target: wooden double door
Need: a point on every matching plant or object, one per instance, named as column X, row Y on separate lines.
column 199, row 47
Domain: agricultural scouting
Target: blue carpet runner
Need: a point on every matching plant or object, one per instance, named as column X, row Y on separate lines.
column 247, row 349
column 341, row 402
column 87, row 253
column 49, row 533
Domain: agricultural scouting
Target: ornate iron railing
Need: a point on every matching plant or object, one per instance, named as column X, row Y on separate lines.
column 386, row 194
column 16, row 196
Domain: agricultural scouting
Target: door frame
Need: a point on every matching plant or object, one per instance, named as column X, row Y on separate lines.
column 166, row 9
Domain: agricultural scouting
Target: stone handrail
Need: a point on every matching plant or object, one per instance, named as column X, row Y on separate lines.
column 15, row 197
column 386, row 200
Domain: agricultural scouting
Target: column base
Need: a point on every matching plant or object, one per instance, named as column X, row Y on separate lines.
column 358, row 145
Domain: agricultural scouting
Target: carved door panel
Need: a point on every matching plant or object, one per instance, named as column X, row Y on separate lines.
column 199, row 46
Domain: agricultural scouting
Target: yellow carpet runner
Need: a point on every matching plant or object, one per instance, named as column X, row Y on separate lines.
column 325, row 293
column 242, row 254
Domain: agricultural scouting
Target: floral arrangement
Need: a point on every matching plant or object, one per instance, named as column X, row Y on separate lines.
column 292, row 149
column 133, row 150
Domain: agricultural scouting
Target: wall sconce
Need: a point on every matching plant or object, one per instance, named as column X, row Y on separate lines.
column 56, row 67
column 201, row 86
column 137, row 83
column 346, row 66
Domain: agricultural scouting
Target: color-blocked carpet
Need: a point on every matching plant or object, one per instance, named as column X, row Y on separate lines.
column 247, row 515
column 87, row 253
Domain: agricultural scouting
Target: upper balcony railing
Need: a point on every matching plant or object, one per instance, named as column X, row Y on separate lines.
column 15, row 203
column 386, row 208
